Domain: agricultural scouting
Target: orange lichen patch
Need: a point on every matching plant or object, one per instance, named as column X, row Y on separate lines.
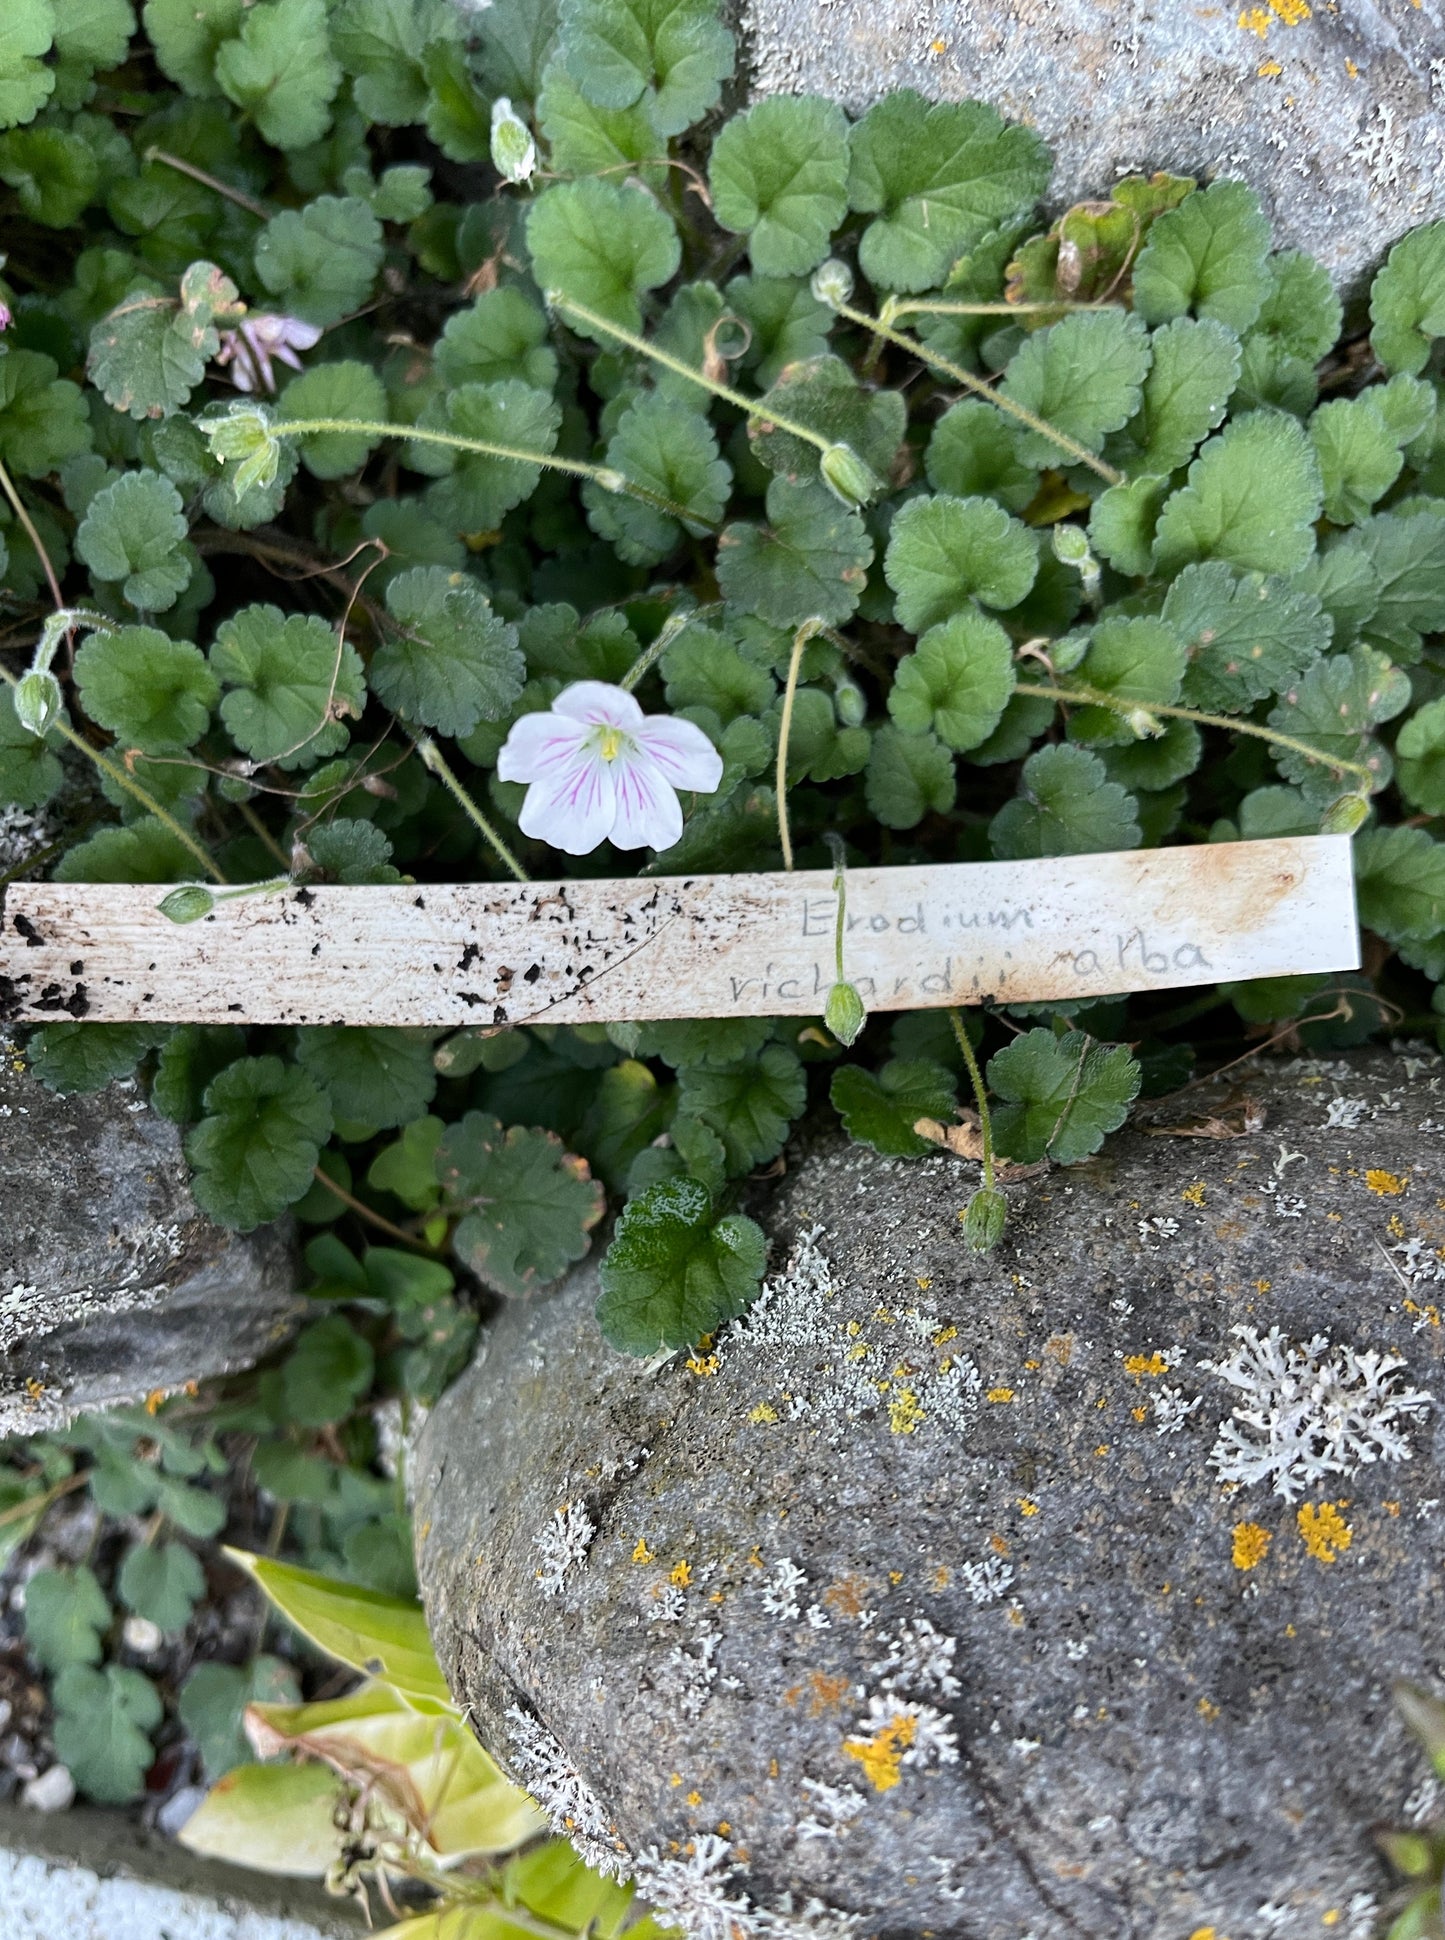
column 1207, row 1710
column 828, row 1692
column 641, row 1553
column 680, row 1574
column 1326, row 1533
column 999, row 1394
column 904, row 1413
column 1391, row 1508
column 998, row 1545
column 881, row 1756
column 1028, row 1506
column 1194, row 1195
column 943, row 1576
column 1061, row 1347
column 1141, row 1364
column 1251, row 1545
column 762, row 1414
column 1388, row 1185
column 1016, row 1616
column 792, row 1694
column 849, row 1596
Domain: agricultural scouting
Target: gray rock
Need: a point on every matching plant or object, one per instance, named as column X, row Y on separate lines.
column 112, row 1280
column 93, row 1875
column 1336, row 116
column 685, row 1602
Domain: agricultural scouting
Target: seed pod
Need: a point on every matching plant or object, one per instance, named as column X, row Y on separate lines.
column 1344, row 815
column 832, row 282
column 514, row 153
column 850, row 702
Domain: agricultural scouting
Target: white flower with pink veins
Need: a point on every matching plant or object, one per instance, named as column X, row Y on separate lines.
column 601, row 770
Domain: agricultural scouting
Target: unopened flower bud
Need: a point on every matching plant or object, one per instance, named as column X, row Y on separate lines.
column 245, row 434
column 1071, row 547
column 514, row 152
column 844, row 1013
column 846, row 476
column 37, row 702
column 832, row 282
column 1344, row 815
column 983, row 1219
column 850, row 702
column 1142, row 724
column 610, row 480
column 188, row 904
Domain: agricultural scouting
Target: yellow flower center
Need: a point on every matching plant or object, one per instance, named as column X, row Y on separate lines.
column 609, row 742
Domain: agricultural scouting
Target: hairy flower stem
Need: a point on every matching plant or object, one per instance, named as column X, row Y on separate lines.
column 1088, row 697
column 606, row 476
column 977, row 385
column 980, row 1096
column 678, row 624
column 133, row 788
column 28, row 526
column 753, row 406
column 431, row 756
column 806, row 632
column 238, row 196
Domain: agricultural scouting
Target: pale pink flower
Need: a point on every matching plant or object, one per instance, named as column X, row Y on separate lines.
column 600, row 769
column 250, row 347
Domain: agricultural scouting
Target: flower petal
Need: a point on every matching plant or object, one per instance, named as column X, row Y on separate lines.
column 682, row 752
column 649, row 815
column 596, row 700
column 572, row 808
column 537, row 746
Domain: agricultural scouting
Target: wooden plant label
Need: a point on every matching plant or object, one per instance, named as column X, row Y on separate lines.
column 582, row 952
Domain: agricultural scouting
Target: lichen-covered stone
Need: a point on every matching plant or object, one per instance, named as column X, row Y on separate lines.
column 112, row 1281
column 1335, row 114
column 950, row 1593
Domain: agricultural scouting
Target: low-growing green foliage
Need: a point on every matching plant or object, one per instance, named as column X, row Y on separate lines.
column 375, row 374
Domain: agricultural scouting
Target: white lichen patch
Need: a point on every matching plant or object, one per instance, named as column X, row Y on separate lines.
column 831, row 1809
column 697, row 1889
column 824, row 1367
column 573, row 1809
column 564, row 1544
column 987, row 1579
column 927, row 1736
column 919, row 1658
column 1344, row 1114
column 1171, row 1410
column 780, row 1592
column 1310, row 1413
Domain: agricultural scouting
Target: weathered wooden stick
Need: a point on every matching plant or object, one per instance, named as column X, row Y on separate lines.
column 682, row 946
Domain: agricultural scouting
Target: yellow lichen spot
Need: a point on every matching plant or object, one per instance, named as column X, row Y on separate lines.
column 895, row 1577
column 1015, row 1616
column 1033, row 1366
column 1102, row 1449
column 1028, row 1506
column 1388, row 1185
column 1141, row 1364
column 1336, row 1913
column 924, row 1281
column 881, row 1756
column 1262, row 1286
column 1251, row 1545
column 1000, row 1394
column 946, row 1334
column 1268, row 69
column 1194, row 1195
column 942, row 1577
column 1102, row 1402
column 35, row 1389
column 724, row 1828
column 1395, row 1226
column 853, row 1328
column 1203, row 1933
column 904, row 1413
column 675, row 1780
column 1291, row 12
column 1207, row 1710
column 1351, row 69
column 773, row 1768
column 762, row 1414
column 641, row 1553
column 154, row 1400
column 1140, row 1414
column 694, row 1799
column 680, row 1574
column 1391, row 1508
column 1255, row 20
column 858, row 1353
column 941, row 47
column 1326, row 1533
column 702, row 1365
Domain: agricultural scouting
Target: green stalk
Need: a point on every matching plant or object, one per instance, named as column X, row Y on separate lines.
column 238, row 196
column 980, row 1096
column 431, row 756
column 132, row 788
column 970, row 382
column 678, row 624
column 606, row 476
column 807, row 631
column 754, row 407
column 905, row 307
column 1087, row 697
column 28, row 527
